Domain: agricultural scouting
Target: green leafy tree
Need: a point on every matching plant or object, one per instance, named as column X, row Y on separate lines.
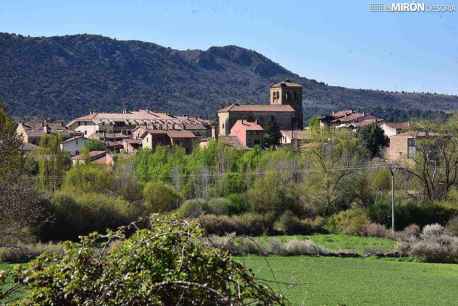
column 168, row 264
column 160, row 197
column 94, row 145
column 52, row 162
column 20, row 205
column 373, row 139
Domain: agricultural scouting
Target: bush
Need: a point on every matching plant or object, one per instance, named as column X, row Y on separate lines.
column 79, row 214
column 238, row 204
column 88, row 178
column 289, row 224
column 452, row 226
column 246, row 224
column 302, row 247
column 242, row 246
column 374, row 230
column 407, row 213
column 192, row 208
column 165, row 265
column 219, row 206
column 350, row 221
column 433, row 245
column 160, row 197
column 24, row 252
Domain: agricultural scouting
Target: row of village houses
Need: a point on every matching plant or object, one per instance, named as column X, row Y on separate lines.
column 241, row 126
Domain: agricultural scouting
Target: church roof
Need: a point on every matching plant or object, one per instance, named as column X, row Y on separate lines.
column 286, row 83
column 274, row 108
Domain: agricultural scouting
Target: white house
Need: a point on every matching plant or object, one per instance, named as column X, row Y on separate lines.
column 74, row 145
column 394, row 128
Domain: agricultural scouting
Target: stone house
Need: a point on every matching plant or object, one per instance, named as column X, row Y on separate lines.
column 403, row 146
column 152, row 138
column 394, row 128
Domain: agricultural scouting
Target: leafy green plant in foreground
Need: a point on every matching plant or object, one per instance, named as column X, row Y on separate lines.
column 166, row 264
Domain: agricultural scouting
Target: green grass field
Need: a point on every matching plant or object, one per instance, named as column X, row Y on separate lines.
column 358, row 281
column 334, row 242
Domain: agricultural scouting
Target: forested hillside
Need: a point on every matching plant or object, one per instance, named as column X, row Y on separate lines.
column 69, row 76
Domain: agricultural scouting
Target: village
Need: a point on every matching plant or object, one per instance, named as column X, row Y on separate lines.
column 239, row 126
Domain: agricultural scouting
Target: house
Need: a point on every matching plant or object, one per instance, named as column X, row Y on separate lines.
column 285, row 109
column 183, row 139
column 74, row 145
column 28, row 148
column 131, row 145
column 31, row 131
column 294, row 137
column 404, row 145
column 231, row 141
column 394, row 128
column 94, row 157
column 152, row 138
column 248, row 133
column 119, row 126
column 348, row 119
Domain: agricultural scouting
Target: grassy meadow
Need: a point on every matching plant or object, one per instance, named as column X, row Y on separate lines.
column 357, row 281
column 336, row 242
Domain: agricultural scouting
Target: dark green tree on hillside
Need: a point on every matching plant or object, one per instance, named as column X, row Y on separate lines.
column 373, row 138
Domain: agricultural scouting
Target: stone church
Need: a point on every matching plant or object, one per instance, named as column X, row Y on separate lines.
column 285, row 109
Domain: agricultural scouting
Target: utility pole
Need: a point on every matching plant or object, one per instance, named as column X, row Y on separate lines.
column 392, row 197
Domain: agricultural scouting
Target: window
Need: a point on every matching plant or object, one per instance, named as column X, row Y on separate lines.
column 411, row 148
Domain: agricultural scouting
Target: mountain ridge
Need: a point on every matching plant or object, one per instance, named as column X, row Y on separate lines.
column 71, row 75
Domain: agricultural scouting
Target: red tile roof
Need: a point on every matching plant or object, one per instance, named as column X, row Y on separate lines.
column 247, row 125
column 398, row 125
column 180, row 134
column 287, row 83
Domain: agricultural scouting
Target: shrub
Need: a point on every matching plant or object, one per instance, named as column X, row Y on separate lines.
column 88, row 178
column 271, row 246
column 192, row 208
column 160, row 197
column 374, row 230
column 407, row 213
column 433, row 245
column 79, row 214
column 246, row 224
column 301, row 247
column 350, row 221
column 289, row 224
column 255, row 224
column 219, row 206
column 230, row 183
column 165, row 265
column 24, row 252
column 238, row 204
column 219, row 225
column 452, row 226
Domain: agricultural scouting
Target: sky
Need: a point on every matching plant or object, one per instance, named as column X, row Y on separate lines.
column 337, row 42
